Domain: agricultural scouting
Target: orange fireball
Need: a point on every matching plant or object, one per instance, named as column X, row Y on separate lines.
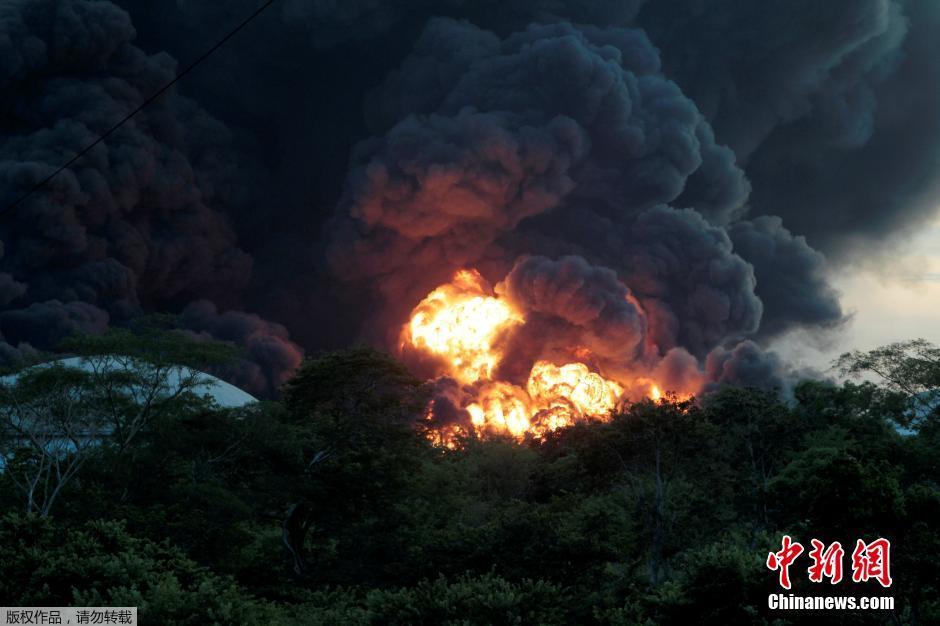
column 501, row 408
column 588, row 392
column 462, row 322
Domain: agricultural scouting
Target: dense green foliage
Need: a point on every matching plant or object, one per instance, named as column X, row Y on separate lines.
column 330, row 507
column 53, row 416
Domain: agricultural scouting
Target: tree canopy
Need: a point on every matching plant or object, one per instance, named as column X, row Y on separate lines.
column 329, row 505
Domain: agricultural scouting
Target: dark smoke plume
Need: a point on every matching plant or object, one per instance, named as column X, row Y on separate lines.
column 830, row 105
column 570, row 304
column 336, row 161
column 268, row 356
column 577, row 142
column 139, row 223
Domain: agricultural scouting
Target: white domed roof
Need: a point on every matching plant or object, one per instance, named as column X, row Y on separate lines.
column 225, row 395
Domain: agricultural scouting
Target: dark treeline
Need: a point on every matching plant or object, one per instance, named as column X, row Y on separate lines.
column 330, row 507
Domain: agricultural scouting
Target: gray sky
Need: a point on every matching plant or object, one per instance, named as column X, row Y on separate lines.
column 894, row 298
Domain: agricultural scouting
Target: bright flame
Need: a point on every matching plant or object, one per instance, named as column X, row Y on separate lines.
column 501, row 408
column 588, row 392
column 460, row 322
column 554, row 397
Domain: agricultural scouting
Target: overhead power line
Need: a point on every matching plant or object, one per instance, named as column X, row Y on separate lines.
column 12, row 206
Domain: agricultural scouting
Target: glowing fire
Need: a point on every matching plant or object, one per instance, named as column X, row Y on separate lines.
column 459, row 321
column 462, row 323
column 573, row 388
column 501, row 407
column 656, row 394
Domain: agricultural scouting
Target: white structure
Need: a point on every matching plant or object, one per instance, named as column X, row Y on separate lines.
column 225, row 395
column 170, row 380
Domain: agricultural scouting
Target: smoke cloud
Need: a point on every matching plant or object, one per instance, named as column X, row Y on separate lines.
column 136, row 225
column 617, row 139
column 267, row 358
column 833, row 113
column 571, row 309
column 667, row 182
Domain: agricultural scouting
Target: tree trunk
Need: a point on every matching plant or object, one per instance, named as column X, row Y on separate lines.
column 293, row 533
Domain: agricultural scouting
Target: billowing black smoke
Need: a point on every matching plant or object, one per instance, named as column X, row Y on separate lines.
column 556, row 140
column 831, row 106
column 140, row 223
column 335, row 161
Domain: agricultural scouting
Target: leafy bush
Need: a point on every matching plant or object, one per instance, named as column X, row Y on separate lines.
column 484, row 599
column 101, row 565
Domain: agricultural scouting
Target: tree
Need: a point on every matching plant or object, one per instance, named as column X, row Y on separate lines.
column 54, row 415
column 654, row 442
column 355, row 413
column 100, row 564
column 199, row 479
column 910, row 368
column 756, row 435
column 461, row 601
column 662, row 514
column 355, row 382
